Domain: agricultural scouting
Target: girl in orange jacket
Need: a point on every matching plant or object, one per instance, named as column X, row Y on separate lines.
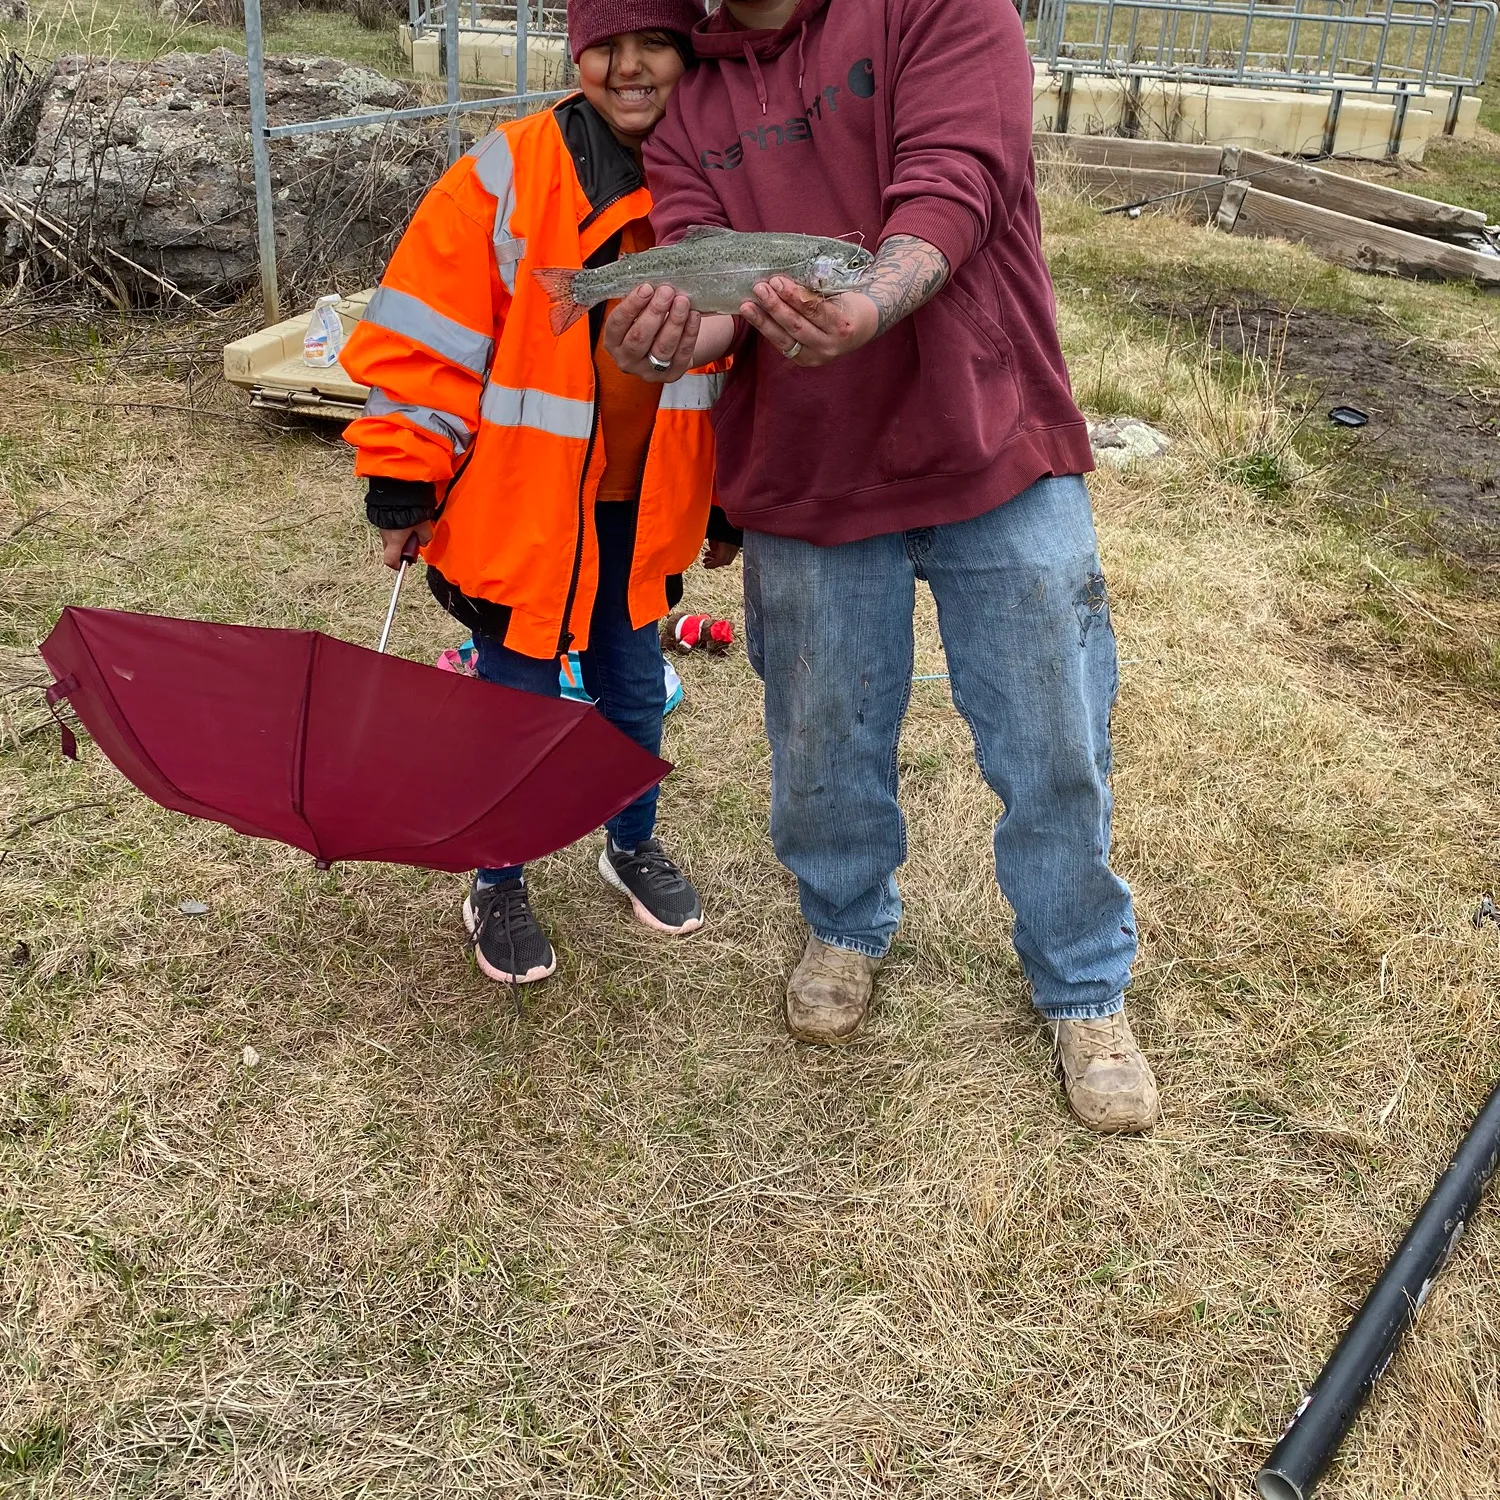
column 557, row 500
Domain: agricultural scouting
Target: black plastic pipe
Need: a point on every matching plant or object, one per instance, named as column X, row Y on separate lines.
column 1369, row 1343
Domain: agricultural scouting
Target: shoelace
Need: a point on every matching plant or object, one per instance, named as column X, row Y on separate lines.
column 659, row 873
column 1094, row 1040
column 515, row 909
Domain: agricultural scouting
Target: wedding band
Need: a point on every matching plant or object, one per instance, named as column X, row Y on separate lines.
column 660, row 365
column 793, row 352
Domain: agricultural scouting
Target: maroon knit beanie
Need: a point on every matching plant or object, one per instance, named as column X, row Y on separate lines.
column 594, row 21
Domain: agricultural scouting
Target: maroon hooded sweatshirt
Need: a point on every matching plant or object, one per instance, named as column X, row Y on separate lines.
column 879, row 118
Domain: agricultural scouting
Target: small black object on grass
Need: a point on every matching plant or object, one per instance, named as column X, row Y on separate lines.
column 1348, row 416
column 1370, row 1341
column 1488, row 911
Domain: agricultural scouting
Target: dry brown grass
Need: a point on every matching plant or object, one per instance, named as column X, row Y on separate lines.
column 639, row 1243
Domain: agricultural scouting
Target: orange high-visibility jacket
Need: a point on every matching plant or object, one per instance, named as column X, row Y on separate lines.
column 472, row 392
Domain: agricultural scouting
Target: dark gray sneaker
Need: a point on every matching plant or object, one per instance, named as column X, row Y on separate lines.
column 508, row 945
column 662, row 895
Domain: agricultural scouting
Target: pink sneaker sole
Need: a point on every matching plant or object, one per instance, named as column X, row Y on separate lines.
column 645, row 918
column 531, row 976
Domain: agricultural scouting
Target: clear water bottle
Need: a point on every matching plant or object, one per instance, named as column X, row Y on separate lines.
column 325, row 334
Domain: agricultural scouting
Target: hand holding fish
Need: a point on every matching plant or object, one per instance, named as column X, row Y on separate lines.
column 653, row 333
column 906, row 273
column 808, row 330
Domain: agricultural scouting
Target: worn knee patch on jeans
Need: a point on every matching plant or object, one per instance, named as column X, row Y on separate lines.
column 1092, row 605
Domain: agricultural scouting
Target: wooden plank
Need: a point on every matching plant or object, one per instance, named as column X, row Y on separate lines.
column 1118, row 151
column 1230, row 205
column 1348, row 195
column 1352, row 242
column 1131, row 184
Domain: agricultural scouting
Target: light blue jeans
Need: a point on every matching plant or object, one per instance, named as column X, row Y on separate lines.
column 1025, row 625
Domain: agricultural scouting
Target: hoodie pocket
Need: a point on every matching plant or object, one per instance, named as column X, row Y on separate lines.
column 962, row 404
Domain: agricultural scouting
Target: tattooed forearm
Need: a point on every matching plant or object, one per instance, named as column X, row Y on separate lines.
column 907, row 272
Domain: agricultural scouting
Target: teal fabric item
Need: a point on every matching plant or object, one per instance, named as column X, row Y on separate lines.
column 576, row 691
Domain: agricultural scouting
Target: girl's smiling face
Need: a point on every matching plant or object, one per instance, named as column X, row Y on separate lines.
column 629, row 79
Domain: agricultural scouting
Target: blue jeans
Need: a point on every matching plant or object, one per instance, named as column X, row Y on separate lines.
column 622, row 669
column 1031, row 651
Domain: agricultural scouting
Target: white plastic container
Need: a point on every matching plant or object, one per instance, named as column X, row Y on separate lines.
column 325, row 334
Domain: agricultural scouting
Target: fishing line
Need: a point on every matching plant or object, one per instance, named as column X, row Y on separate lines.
column 1221, row 180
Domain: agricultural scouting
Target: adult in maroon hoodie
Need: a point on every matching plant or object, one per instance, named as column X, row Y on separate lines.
column 922, row 426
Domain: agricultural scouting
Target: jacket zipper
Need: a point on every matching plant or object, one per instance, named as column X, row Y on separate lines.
column 458, row 474
column 565, row 637
column 595, row 212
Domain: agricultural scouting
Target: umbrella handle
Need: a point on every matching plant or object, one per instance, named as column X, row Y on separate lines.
column 408, row 557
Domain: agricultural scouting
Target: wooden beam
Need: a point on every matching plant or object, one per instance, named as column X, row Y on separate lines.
column 1131, row 184
column 1348, row 195
column 1117, row 151
column 1363, row 246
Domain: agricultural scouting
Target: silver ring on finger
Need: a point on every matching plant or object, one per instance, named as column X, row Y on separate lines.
column 661, row 366
column 794, row 351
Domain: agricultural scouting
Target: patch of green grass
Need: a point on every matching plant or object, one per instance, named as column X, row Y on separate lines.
column 132, row 29
column 1265, row 472
column 1463, row 172
column 35, row 1450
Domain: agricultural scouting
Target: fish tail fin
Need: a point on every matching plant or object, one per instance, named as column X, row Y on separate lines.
column 557, row 282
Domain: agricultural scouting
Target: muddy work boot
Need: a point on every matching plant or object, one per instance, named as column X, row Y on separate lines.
column 828, row 997
column 1108, row 1081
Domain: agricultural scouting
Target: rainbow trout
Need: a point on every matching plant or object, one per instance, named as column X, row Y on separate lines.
column 717, row 268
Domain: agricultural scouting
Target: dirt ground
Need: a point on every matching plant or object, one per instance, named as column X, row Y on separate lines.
column 1434, row 431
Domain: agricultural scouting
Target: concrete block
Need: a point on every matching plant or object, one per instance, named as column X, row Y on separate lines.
column 1280, row 121
column 489, row 57
column 1420, row 127
column 1364, row 128
column 424, row 53
column 1172, row 112
column 1045, row 95
column 1467, row 125
column 1276, row 120
column 1098, row 107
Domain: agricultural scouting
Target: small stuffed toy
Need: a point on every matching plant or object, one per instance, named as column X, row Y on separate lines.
column 686, row 632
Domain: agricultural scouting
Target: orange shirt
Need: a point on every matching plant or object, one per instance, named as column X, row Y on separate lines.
column 627, row 404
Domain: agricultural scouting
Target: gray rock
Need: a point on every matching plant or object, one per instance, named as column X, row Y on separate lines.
column 153, row 160
column 1123, row 440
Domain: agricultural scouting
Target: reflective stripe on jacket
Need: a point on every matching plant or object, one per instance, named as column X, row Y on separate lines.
column 472, row 392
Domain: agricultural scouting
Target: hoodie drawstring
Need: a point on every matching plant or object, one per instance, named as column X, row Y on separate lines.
column 801, row 57
column 760, row 82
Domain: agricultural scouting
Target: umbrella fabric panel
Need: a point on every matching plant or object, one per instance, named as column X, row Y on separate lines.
column 339, row 750
column 203, row 718
column 461, row 772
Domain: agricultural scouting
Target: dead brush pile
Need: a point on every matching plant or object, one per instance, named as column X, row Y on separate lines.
column 640, row 1244
column 128, row 183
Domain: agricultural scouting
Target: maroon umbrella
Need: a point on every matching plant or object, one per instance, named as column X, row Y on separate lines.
column 339, row 750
